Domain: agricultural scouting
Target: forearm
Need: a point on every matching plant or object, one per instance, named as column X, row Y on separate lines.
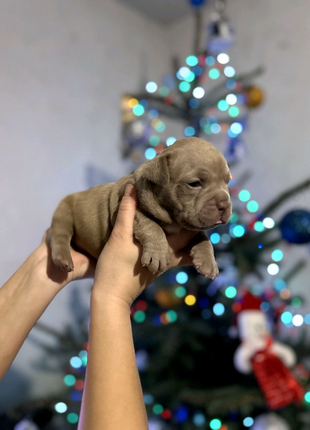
column 113, row 397
column 23, row 299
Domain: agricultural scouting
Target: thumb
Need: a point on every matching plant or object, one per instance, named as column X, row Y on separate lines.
column 126, row 212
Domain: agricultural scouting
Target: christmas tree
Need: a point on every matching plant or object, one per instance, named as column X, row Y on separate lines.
column 187, row 329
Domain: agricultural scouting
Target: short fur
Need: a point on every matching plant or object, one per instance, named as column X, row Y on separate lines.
column 186, row 186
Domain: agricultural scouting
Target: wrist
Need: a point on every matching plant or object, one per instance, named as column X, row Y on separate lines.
column 108, row 301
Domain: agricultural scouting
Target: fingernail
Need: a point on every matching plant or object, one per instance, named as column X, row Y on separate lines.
column 129, row 190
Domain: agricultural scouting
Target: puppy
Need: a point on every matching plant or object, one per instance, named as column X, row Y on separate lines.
column 185, row 187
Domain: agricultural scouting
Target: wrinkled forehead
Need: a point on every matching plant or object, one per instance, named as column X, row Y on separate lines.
column 198, row 159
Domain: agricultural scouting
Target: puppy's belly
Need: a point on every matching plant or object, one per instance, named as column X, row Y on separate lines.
column 171, row 228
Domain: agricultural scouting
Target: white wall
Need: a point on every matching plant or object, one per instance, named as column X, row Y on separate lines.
column 64, row 66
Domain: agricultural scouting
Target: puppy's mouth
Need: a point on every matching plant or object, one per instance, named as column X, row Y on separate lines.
column 191, row 226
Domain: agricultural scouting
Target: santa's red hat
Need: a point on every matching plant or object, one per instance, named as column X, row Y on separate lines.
column 249, row 303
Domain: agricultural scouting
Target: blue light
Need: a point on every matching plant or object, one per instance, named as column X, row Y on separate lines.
column 189, row 131
column 203, row 303
column 206, row 314
column 148, row 399
column 225, row 238
column 277, row 255
column 265, row 306
column 236, row 128
column 307, row 319
column 181, row 277
column 182, row 414
column 248, row 422
column 197, row 70
column 286, row 317
column 150, row 153
column 194, row 103
column 238, row 230
column 231, row 134
column 279, row 284
column 76, row 396
column 215, row 128
column 156, row 320
column 199, row 419
column 76, row 362
column 153, row 113
column 218, row 309
column 231, row 84
column 215, row 238
column 210, row 61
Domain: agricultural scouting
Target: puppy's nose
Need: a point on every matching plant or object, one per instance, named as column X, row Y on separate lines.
column 222, row 202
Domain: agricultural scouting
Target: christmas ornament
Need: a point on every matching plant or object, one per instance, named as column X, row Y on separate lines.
column 254, row 96
column 267, row 359
column 270, row 421
column 219, row 30
column 197, row 2
column 166, row 298
column 295, row 227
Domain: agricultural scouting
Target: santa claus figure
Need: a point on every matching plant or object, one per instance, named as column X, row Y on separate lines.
column 267, row 359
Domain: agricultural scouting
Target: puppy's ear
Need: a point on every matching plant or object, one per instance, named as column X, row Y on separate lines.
column 156, row 170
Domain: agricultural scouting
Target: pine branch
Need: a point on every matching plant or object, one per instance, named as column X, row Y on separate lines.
column 294, row 270
column 285, row 196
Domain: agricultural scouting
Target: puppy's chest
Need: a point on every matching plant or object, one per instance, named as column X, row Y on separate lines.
column 171, row 228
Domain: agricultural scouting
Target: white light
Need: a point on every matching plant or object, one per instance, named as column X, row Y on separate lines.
column 151, row 87
column 229, row 71
column 298, row 320
column 268, row 222
column 184, row 72
column 61, row 407
column 231, row 99
column 170, row 141
column 273, row 269
column 198, row 92
column 223, row 58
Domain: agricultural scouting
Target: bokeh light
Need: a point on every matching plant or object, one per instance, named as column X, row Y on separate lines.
column 223, row 58
column 190, row 300
column 244, row 195
column 273, row 269
column 181, row 277
column 215, row 424
column 61, row 407
column 151, row 87
column 252, row 206
column 218, row 309
column 298, row 320
column 277, row 255
column 231, row 292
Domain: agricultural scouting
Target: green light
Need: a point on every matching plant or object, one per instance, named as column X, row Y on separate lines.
column 154, row 140
column 192, row 60
column 259, row 226
column 296, row 302
column 277, row 255
column 307, row 397
column 160, row 126
column 157, row 409
column 244, row 195
column 231, row 292
column 180, row 292
column 215, row 424
column 286, row 317
column 164, row 91
column 222, row 105
column 190, row 77
column 72, row 418
column 233, row 111
column 214, row 74
column 184, row 86
column 207, row 129
column 69, row 380
column 234, row 218
column 171, row 316
column 139, row 316
column 252, row 206
column 138, row 110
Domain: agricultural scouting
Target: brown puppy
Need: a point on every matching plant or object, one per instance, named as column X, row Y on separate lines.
column 185, row 187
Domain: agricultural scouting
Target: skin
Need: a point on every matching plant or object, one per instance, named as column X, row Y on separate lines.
column 112, row 395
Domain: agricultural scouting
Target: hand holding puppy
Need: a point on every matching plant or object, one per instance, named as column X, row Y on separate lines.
column 120, row 275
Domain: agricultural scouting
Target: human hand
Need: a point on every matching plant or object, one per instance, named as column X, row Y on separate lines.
column 119, row 276
column 84, row 266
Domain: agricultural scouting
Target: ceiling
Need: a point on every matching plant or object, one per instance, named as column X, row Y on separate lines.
column 163, row 12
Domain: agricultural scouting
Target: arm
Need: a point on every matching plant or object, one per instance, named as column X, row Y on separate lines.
column 113, row 397
column 26, row 295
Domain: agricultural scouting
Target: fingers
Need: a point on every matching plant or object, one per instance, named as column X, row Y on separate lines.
column 126, row 212
column 179, row 241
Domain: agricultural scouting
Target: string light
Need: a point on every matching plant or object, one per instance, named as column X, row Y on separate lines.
column 180, row 292
column 286, row 317
column 223, row 105
column 210, row 61
column 215, row 424
column 191, row 60
column 297, row 320
column 231, row 99
column 61, row 407
column 139, row 316
column 277, row 255
column 252, row 206
column 218, row 309
column 233, row 111
column 248, row 421
column 181, row 277
column 223, row 58
column 198, row 92
column 76, row 362
column 268, row 222
column 273, row 269
column 151, row 87
column 170, row 141
column 215, row 238
column 214, row 74
column 150, row 153
column 190, row 300
column 184, row 86
column 259, row 226
column 231, row 292
column 189, row 131
column 72, row 418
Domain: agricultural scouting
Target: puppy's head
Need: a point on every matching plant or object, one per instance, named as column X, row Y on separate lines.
column 190, row 181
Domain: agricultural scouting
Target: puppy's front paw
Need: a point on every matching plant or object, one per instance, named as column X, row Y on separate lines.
column 205, row 263
column 156, row 258
column 63, row 260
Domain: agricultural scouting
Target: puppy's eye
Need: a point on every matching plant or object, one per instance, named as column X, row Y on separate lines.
column 195, row 184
